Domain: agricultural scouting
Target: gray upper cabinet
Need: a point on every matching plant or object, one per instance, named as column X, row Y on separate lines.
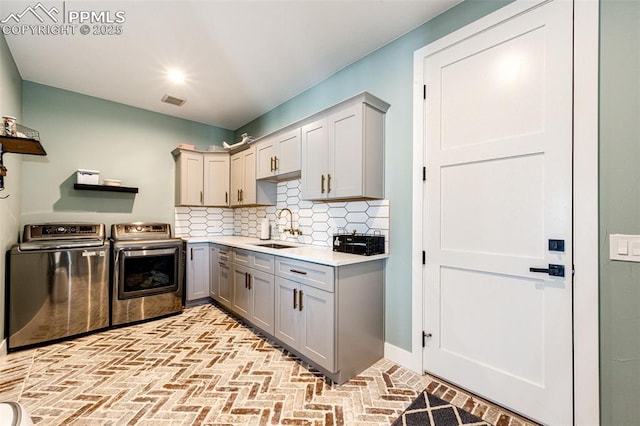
column 216, row 179
column 279, row 156
column 189, row 182
column 343, row 151
column 245, row 189
column 202, row 178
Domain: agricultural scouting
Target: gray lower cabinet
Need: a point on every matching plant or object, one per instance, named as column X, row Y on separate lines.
column 214, row 286
column 330, row 316
column 221, row 280
column 252, row 288
column 305, row 321
column 197, row 271
column 333, row 317
column 241, row 291
column 261, row 285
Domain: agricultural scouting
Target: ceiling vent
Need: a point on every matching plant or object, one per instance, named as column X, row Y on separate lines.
column 173, row 100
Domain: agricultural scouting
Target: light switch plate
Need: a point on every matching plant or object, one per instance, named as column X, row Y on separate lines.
column 624, row 247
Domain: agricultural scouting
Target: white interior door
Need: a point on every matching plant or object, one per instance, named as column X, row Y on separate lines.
column 498, row 144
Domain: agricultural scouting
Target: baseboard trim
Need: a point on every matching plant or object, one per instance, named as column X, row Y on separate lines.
column 400, row 356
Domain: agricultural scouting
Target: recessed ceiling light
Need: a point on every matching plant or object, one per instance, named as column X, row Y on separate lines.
column 176, row 76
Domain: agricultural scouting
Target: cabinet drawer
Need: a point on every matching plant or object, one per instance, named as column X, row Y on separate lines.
column 225, row 254
column 313, row 274
column 253, row 259
column 241, row 257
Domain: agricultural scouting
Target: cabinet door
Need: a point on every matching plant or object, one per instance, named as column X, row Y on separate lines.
column 288, row 156
column 225, row 283
column 214, row 282
column 189, row 185
column 346, row 153
column 314, row 160
column 237, row 174
column 216, row 180
column 287, row 326
column 241, row 292
column 197, row 271
column 262, row 294
column 265, row 159
column 249, row 177
column 317, row 326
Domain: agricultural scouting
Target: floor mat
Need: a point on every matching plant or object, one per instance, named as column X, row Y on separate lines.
column 427, row 409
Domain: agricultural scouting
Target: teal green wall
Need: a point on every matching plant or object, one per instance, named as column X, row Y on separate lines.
column 122, row 142
column 388, row 74
column 619, row 210
column 10, row 104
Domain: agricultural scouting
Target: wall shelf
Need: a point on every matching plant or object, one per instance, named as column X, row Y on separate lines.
column 105, row 188
column 27, row 143
column 18, row 145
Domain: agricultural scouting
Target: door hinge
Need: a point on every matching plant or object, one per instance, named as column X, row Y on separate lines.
column 424, row 173
column 424, row 92
column 424, row 257
column 425, row 335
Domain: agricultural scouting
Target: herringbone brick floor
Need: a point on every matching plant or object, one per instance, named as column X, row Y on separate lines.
column 203, row 367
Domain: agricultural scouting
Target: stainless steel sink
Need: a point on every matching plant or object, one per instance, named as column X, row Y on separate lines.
column 274, row 245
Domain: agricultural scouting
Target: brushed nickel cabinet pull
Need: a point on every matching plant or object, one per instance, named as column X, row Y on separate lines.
column 295, row 271
column 322, row 184
column 271, row 163
column 328, row 183
column 300, row 301
column 295, row 297
column 201, row 197
column 275, row 164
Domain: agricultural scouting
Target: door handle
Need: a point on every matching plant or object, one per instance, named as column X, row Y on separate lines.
column 328, row 183
column 552, row 270
column 295, row 297
column 322, row 184
column 275, row 163
column 191, row 253
column 249, row 282
column 300, row 300
column 271, row 168
column 245, row 280
column 226, row 197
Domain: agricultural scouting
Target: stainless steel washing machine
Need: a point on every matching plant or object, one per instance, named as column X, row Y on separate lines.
column 58, row 283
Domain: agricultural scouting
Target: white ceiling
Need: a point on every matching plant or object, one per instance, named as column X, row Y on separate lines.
column 241, row 58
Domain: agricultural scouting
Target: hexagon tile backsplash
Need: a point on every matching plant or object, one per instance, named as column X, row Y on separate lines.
column 317, row 221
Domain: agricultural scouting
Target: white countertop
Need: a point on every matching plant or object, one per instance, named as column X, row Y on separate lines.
column 306, row 252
